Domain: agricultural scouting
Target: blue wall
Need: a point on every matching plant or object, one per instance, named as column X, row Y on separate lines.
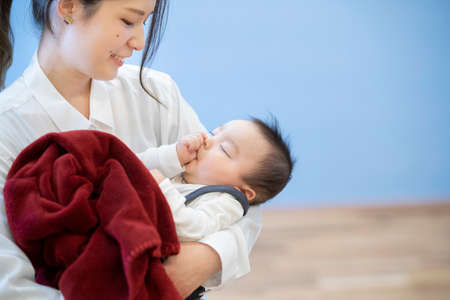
column 361, row 87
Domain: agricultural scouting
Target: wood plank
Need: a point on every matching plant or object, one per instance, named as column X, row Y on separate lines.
column 394, row 252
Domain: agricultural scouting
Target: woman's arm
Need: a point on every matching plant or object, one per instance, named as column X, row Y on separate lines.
column 233, row 245
column 16, row 271
column 202, row 262
column 195, row 263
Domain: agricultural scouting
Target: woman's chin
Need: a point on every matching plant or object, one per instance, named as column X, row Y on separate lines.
column 106, row 74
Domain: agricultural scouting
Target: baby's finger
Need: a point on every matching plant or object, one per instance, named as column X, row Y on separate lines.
column 201, row 138
column 204, row 137
column 196, row 141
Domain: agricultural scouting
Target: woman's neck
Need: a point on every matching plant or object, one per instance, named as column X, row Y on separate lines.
column 74, row 86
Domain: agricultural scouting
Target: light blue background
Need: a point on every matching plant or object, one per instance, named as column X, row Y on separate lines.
column 362, row 87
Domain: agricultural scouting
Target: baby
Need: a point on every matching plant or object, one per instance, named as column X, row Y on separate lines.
column 249, row 155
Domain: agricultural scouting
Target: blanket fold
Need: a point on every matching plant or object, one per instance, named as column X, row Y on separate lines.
column 91, row 218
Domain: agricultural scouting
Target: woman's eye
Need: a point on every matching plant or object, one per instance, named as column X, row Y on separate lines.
column 126, row 22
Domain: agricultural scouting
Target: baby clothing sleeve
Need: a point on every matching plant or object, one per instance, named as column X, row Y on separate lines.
column 163, row 158
column 213, row 212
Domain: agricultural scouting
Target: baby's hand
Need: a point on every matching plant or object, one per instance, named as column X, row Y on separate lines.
column 188, row 147
column 157, row 175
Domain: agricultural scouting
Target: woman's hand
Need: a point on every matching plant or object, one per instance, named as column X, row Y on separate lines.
column 195, row 263
column 188, row 147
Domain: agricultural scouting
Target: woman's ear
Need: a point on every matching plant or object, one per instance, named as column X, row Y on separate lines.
column 67, row 8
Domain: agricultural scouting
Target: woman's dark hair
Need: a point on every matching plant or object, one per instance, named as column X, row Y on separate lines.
column 41, row 14
column 6, row 40
column 274, row 170
column 157, row 26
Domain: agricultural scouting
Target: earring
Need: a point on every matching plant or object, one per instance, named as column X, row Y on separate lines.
column 68, row 20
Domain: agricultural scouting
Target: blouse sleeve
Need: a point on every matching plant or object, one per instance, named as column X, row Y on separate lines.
column 16, row 271
column 163, row 158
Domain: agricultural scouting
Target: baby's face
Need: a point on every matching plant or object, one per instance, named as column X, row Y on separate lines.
column 232, row 151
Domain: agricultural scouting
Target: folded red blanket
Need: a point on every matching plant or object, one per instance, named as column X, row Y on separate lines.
column 91, row 218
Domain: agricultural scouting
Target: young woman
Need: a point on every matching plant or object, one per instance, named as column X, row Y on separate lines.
column 77, row 80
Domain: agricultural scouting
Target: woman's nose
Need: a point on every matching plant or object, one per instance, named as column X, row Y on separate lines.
column 137, row 41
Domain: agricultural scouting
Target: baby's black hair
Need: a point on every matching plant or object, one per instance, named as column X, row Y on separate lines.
column 274, row 170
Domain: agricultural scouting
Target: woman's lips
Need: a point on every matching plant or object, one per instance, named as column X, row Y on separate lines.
column 117, row 59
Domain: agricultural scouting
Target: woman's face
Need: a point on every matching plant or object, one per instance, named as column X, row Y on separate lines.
column 97, row 45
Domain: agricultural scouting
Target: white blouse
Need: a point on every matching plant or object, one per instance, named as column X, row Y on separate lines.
column 32, row 107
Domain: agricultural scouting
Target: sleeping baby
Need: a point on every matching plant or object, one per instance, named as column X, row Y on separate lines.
column 249, row 156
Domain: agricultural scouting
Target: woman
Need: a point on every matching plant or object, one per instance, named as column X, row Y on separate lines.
column 77, row 80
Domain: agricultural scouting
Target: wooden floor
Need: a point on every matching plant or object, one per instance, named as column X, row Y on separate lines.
column 385, row 253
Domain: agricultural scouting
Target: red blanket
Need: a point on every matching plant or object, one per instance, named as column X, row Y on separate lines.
column 91, row 218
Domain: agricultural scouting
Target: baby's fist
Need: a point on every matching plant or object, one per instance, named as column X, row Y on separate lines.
column 188, row 147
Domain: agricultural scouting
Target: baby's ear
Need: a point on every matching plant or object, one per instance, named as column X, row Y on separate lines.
column 247, row 191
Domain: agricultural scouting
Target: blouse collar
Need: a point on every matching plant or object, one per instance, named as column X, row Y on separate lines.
column 100, row 102
column 64, row 115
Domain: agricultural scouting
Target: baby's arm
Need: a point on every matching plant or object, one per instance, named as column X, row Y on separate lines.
column 170, row 159
column 216, row 213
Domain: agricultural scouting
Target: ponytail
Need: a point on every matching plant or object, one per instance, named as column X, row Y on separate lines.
column 6, row 40
column 157, row 26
